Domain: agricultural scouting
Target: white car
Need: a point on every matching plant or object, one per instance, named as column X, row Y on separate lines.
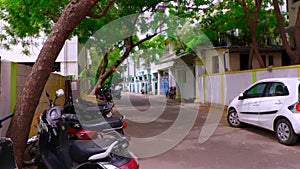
column 272, row 104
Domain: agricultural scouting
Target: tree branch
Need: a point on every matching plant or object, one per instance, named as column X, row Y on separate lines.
column 297, row 37
column 149, row 37
column 129, row 45
column 281, row 30
column 104, row 11
column 98, row 7
column 145, row 39
column 252, row 26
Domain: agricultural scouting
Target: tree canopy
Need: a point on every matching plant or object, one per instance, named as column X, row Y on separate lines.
column 225, row 22
column 60, row 20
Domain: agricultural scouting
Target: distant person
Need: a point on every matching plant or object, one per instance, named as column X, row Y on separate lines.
column 143, row 90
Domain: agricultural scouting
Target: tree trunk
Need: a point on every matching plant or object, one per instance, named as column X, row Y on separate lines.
column 256, row 51
column 250, row 58
column 112, row 69
column 129, row 45
column 27, row 102
column 252, row 26
column 293, row 54
column 297, row 39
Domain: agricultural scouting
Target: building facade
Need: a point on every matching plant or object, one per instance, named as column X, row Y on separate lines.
column 66, row 63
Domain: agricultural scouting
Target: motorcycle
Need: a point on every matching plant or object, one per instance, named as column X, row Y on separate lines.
column 57, row 150
column 171, row 93
column 7, row 158
column 85, row 125
column 105, row 95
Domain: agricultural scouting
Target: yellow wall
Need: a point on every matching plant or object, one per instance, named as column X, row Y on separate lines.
column 54, row 82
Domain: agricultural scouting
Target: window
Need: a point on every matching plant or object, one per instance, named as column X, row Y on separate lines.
column 271, row 62
column 277, row 89
column 263, row 58
column 244, row 60
column 256, row 91
column 215, row 60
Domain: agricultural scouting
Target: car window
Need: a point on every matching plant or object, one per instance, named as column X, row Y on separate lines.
column 256, row 91
column 277, row 89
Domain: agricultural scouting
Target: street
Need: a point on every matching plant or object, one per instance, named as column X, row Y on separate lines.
column 228, row 148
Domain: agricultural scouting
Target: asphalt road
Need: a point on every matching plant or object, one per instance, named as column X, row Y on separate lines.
column 227, row 148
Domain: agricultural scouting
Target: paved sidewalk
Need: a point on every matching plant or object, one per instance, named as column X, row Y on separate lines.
column 171, row 101
column 162, row 98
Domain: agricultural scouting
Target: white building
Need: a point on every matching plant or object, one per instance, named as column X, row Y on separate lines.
column 156, row 78
column 66, row 63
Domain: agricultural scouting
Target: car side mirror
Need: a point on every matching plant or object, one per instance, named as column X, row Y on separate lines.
column 241, row 96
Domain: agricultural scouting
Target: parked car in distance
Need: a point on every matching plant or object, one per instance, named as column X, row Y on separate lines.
column 272, row 104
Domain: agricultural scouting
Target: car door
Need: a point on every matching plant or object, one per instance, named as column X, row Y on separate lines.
column 276, row 93
column 250, row 104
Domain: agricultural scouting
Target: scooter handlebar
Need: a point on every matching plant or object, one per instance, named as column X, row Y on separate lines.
column 5, row 118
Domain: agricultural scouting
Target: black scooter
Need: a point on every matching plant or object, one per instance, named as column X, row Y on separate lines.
column 58, row 151
column 7, row 158
column 90, row 116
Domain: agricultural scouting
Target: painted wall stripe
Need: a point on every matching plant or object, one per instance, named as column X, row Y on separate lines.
column 254, row 77
column 222, row 90
column 204, row 88
column 13, row 86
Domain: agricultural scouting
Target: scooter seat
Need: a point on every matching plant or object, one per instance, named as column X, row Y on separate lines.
column 108, row 123
column 114, row 122
column 81, row 150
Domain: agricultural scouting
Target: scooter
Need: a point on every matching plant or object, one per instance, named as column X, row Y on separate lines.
column 85, row 125
column 7, row 158
column 105, row 95
column 171, row 93
column 58, row 151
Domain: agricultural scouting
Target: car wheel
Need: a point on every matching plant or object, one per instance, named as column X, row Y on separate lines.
column 233, row 118
column 285, row 133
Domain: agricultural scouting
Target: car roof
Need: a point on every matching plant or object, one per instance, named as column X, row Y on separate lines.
column 281, row 79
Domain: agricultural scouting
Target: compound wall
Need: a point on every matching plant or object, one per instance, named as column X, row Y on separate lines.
column 221, row 88
column 13, row 78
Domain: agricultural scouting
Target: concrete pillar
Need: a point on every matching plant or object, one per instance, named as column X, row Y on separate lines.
column 199, row 70
column 172, row 80
column 158, row 83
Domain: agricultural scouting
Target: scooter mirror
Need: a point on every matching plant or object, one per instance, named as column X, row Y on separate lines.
column 59, row 93
column 47, row 93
